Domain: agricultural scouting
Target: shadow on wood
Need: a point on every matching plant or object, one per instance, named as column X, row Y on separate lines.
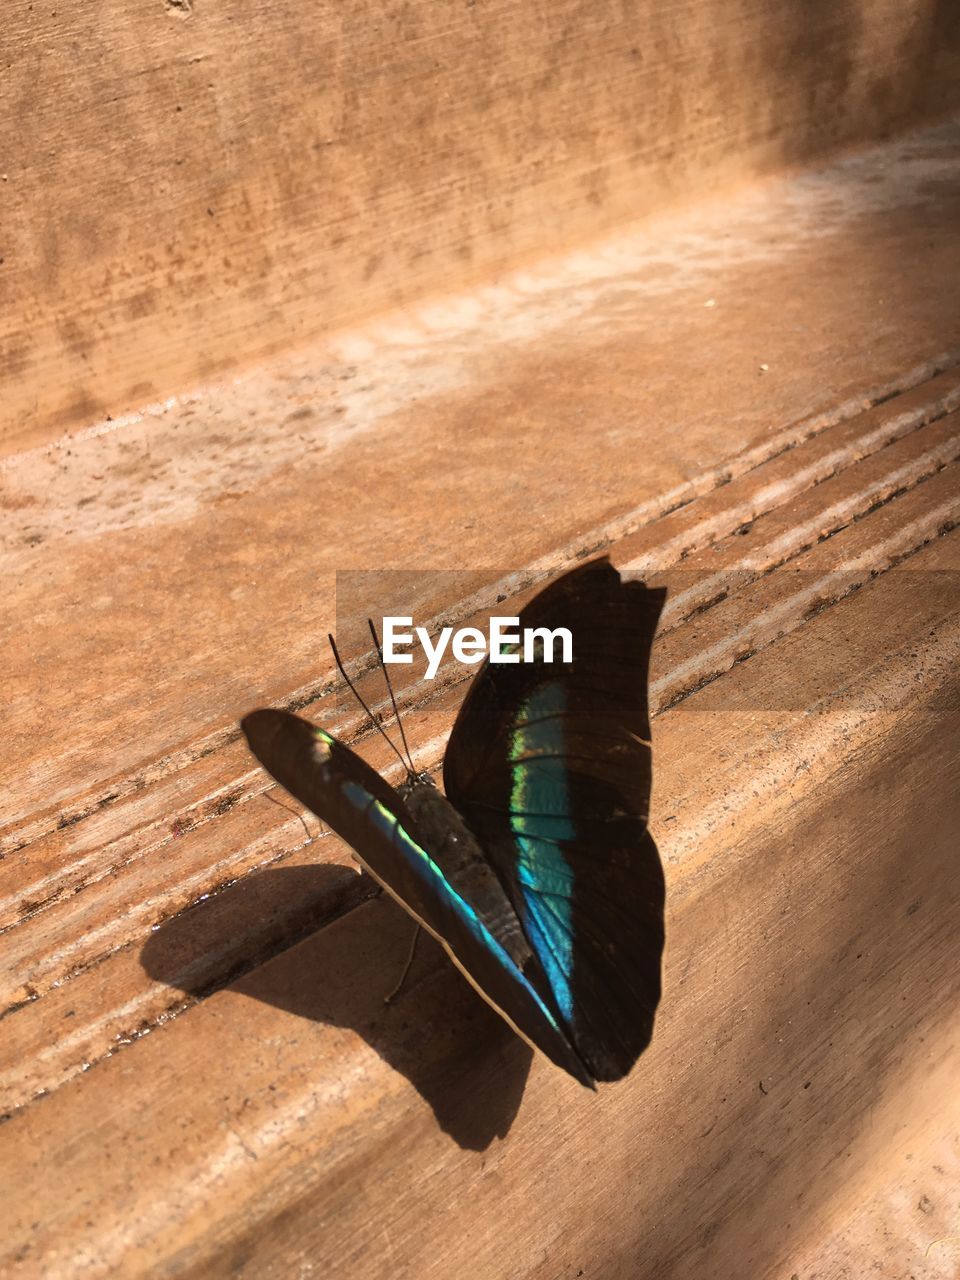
column 454, row 1049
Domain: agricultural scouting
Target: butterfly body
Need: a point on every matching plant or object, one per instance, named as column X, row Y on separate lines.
column 535, row 870
column 441, row 829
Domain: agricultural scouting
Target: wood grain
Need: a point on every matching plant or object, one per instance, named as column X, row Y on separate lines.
column 212, row 189
column 768, row 838
column 198, row 1075
column 192, row 544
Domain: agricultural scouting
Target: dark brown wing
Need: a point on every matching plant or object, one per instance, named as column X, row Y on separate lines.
column 550, row 765
column 370, row 815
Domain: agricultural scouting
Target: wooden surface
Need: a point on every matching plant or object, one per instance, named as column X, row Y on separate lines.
column 190, row 548
column 199, row 1074
column 186, row 188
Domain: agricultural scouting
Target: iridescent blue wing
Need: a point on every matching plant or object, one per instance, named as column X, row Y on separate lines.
column 350, row 796
column 550, row 766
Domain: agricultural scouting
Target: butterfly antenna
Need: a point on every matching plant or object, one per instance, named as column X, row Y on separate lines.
column 353, row 689
column 396, row 709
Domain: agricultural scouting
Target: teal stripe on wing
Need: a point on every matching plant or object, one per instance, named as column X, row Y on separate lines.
column 540, row 820
column 390, row 825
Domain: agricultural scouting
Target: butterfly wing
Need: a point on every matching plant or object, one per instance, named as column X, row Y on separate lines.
column 345, row 792
column 550, row 766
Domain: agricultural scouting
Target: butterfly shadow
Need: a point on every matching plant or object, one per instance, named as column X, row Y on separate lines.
column 271, row 937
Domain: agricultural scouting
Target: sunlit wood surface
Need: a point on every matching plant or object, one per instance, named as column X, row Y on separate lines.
column 756, row 401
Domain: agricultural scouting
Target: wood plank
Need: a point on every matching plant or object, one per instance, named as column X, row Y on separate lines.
column 198, row 1072
column 911, row 1220
column 867, row 976
column 72, row 910
column 175, row 544
column 209, row 210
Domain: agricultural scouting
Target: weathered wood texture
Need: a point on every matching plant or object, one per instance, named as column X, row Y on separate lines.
column 198, row 1072
column 186, row 547
column 807, row 813
column 189, row 186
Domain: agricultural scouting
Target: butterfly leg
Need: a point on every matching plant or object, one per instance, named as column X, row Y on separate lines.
column 297, row 813
column 388, row 999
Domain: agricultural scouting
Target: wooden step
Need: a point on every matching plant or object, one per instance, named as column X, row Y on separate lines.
column 199, row 1075
column 207, row 192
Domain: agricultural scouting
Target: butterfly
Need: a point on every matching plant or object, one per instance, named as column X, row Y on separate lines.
column 535, row 869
